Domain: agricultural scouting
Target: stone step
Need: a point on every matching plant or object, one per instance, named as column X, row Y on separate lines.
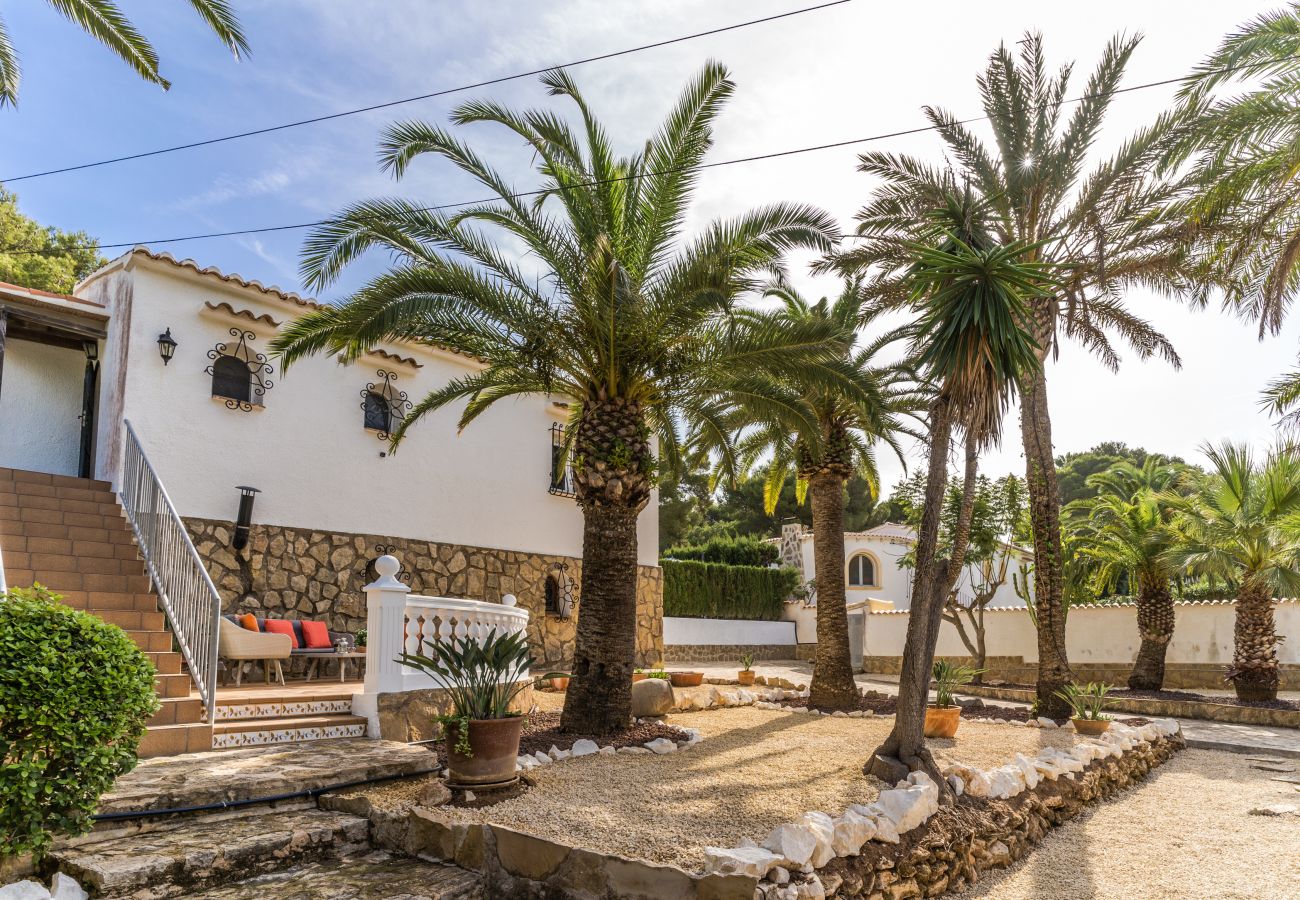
column 103, row 506
column 172, row 686
column 200, row 853
column 94, row 601
column 25, row 476
column 63, row 582
column 374, row 874
column 61, row 492
column 178, row 711
column 151, row 641
column 287, row 730
column 117, row 533
column 171, row 740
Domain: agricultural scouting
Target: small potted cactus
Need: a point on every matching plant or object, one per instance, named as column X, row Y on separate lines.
column 746, row 674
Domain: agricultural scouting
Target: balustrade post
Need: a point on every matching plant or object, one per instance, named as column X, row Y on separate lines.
column 385, row 633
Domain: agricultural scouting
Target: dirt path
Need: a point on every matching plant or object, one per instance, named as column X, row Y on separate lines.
column 1184, row 832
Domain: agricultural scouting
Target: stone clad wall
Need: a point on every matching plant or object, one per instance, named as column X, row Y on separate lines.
column 300, row 573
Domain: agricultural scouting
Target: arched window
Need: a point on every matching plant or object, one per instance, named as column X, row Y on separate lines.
column 230, row 379
column 552, row 595
column 379, row 412
column 862, row 571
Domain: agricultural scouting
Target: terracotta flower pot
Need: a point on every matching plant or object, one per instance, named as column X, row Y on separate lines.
column 745, row 676
column 494, row 744
column 686, row 679
column 1092, row 727
column 560, row 684
column 638, row 676
column 941, row 721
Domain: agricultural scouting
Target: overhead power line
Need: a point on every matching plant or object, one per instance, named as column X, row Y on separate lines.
column 921, row 129
column 429, row 96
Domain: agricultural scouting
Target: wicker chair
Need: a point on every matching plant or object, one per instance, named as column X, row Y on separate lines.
column 240, row 644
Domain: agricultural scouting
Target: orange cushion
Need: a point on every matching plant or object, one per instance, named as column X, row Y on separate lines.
column 282, row 626
column 317, row 635
column 249, row 621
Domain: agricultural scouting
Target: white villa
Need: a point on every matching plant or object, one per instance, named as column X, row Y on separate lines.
column 156, row 376
column 874, row 579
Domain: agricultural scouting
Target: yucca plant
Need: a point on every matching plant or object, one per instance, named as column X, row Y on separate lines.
column 1087, row 701
column 746, row 661
column 948, row 677
column 481, row 675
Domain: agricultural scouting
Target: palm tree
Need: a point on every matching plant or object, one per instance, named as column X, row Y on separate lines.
column 1126, row 531
column 841, row 444
column 1240, row 524
column 1246, row 153
column 1103, row 231
column 972, row 342
column 102, row 20
column 631, row 324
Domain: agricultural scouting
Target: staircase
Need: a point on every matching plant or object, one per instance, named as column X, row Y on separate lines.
column 71, row 536
column 264, row 716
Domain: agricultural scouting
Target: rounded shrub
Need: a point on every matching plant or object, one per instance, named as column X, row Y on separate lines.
column 75, row 695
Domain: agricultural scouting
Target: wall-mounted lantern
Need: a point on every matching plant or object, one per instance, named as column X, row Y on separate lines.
column 244, row 523
column 166, row 346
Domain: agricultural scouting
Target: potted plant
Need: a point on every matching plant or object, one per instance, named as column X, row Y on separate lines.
column 560, row 682
column 482, row 677
column 686, row 679
column 746, row 673
column 657, row 673
column 638, row 675
column 1088, row 701
column 943, row 716
column 361, row 637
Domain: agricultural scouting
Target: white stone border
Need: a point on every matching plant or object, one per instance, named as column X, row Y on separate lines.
column 816, row 838
column 587, row 747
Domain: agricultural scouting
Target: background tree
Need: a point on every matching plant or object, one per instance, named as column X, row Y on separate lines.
column 998, row 523
column 104, row 21
column 1126, row 533
column 39, row 256
column 972, row 344
column 635, row 327
column 1103, row 229
column 1073, row 469
column 1241, row 523
column 839, row 444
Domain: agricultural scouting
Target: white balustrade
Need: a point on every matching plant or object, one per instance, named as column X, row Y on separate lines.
column 401, row 622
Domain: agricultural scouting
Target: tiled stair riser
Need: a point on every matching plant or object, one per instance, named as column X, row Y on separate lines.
column 281, row 710
column 286, row 736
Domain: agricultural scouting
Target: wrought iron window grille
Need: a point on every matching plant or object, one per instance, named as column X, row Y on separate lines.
column 368, row 574
column 559, row 592
column 561, row 480
column 239, row 375
column 385, row 407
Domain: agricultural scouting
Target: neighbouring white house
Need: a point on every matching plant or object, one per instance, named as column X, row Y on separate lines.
column 181, row 352
column 875, row 580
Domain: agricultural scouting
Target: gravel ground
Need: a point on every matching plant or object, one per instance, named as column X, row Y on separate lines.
column 755, row 769
column 1184, row 832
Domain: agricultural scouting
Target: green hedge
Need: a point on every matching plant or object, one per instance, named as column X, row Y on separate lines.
column 732, row 550
column 75, row 694
column 700, row 590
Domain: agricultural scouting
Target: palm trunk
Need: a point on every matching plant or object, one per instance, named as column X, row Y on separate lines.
column 1155, row 618
column 1254, row 662
column 832, row 684
column 1045, row 519
column 599, row 697
column 904, row 749
column 612, row 457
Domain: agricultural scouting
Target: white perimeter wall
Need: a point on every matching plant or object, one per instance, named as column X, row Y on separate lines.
column 40, row 405
column 1202, row 634
column 680, row 631
column 306, row 449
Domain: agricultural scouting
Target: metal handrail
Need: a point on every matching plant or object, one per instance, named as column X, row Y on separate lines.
column 3, row 587
column 185, row 590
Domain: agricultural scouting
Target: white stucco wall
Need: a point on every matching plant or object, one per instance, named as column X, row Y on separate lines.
column 306, row 448
column 680, row 632
column 40, row 406
column 1105, row 634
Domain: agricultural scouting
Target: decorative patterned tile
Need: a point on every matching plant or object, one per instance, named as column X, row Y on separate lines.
column 282, row 710
column 286, row 736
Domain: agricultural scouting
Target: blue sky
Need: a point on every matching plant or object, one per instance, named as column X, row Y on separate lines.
column 858, row 69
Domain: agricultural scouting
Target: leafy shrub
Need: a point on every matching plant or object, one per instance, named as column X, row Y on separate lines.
column 75, row 695
column 733, row 550
column 701, row 590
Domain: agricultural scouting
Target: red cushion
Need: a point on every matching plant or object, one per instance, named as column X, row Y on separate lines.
column 316, row 635
column 282, row 626
column 249, row 621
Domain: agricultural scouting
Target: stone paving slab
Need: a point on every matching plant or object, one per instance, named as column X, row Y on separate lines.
column 376, row 874
column 252, row 773
column 172, row 862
